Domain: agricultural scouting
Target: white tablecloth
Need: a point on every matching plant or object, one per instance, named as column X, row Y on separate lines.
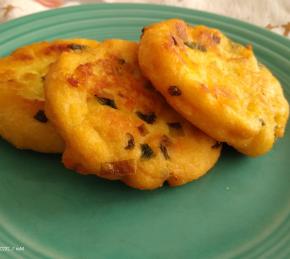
column 273, row 14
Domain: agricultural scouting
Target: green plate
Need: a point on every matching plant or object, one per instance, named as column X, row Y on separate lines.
column 239, row 210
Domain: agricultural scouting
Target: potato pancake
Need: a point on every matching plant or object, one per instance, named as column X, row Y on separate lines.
column 22, row 118
column 215, row 83
column 116, row 126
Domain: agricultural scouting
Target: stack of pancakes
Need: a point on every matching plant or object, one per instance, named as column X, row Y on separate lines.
column 143, row 113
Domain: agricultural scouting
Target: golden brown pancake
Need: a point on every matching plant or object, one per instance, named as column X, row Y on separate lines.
column 116, row 126
column 22, row 118
column 215, row 83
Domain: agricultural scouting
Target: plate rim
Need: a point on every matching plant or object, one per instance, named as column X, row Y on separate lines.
column 17, row 21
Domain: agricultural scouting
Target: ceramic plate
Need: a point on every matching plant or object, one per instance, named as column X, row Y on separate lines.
column 239, row 210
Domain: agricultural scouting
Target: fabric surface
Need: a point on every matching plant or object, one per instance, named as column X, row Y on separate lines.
column 274, row 15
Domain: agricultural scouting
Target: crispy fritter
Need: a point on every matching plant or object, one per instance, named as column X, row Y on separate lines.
column 216, row 84
column 22, row 74
column 115, row 125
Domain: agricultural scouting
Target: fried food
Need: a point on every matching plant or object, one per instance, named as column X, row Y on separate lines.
column 22, row 119
column 216, row 84
column 115, row 125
